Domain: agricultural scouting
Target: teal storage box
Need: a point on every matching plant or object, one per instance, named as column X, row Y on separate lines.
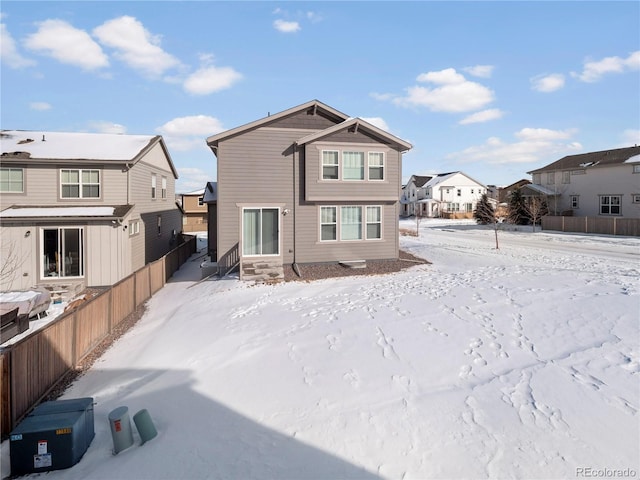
column 52, row 437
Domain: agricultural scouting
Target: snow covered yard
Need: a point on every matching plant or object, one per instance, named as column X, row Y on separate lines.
column 522, row 362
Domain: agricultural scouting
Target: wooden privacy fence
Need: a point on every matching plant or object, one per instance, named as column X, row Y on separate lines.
column 33, row 366
column 599, row 225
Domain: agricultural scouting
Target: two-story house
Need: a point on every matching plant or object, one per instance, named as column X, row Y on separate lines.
column 194, row 211
column 83, row 209
column 604, row 183
column 451, row 195
column 328, row 191
column 412, row 192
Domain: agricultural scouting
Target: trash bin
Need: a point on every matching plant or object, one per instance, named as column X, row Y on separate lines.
column 120, row 429
column 145, row 426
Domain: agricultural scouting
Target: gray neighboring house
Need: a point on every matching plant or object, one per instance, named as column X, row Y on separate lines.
column 594, row 184
column 324, row 187
column 84, row 209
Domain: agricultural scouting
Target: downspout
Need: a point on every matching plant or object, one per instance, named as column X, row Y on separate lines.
column 294, row 265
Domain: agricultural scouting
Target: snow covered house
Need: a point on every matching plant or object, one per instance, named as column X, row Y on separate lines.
column 83, row 209
column 412, row 192
column 329, row 191
column 449, row 195
column 604, row 183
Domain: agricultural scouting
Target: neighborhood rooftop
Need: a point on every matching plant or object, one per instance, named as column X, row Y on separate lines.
column 592, row 159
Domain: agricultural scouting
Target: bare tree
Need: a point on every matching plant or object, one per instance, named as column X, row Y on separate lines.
column 536, row 208
column 419, row 216
column 10, row 262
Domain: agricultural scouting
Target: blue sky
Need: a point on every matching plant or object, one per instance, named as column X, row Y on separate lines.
column 494, row 89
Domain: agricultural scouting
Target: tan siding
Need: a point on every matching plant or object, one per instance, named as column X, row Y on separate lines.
column 255, row 169
column 18, row 251
column 324, row 190
column 309, row 249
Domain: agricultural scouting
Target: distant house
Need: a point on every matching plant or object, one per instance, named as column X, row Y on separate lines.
column 504, row 193
column 449, row 195
column 211, row 201
column 412, row 192
column 84, row 209
column 328, row 191
column 194, row 211
column 604, row 183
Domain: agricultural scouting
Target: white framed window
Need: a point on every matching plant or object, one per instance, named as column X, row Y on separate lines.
column 11, row 180
column 353, row 165
column 459, row 192
column 351, row 223
column 79, row 183
column 200, row 201
column 260, row 231
column 551, row 178
column 154, row 185
column 468, row 207
column 636, row 168
column 635, row 198
column 328, row 224
column 62, row 252
column 575, row 201
column 330, row 167
column 376, row 166
column 537, row 179
column 566, row 176
column 163, row 191
column 610, row 204
column 134, row 227
column 374, row 223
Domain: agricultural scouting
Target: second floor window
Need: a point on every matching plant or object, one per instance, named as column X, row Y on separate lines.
column 352, row 165
column 575, row 201
column 11, row 180
column 566, row 177
column 163, row 193
column 551, row 178
column 154, row 185
column 80, row 183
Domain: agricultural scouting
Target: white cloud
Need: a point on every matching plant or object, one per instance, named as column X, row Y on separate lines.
column 377, row 122
column 483, row 116
column 630, row 137
column 547, row 83
column 189, row 133
column 67, row 44
column 483, row 71
column 454, row 93
column 107, row 127
column 595, row 70
column 531, row 145
column 9, row 54
column 40, row 106
column 191, row 179
column 286, row 27
column 135, row 45
column 314, row 17
column 211, row 79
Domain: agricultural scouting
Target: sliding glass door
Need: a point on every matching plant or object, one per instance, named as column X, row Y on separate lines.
column 62, row 252
column 260, row 231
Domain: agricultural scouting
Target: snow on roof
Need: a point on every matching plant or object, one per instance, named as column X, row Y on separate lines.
column 64, row 145
column 195, row 192
column 58, row 212
column 634, row 159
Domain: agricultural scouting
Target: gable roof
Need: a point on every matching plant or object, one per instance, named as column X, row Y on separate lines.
column 443, row 177
column 73, row 146
column 593, row 159
column 356, row 123
column 420, row 180
column 213, row 140
column 211, row 192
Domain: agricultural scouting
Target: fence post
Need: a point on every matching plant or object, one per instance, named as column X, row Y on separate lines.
column 586, row 224
column 614, row 225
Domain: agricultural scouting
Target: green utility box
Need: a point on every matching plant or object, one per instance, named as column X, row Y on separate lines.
column 52, row 437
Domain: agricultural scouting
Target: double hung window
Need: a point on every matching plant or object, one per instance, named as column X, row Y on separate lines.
column 11, row 180
column 610, row 205
column 350, row 222
column 79, row 183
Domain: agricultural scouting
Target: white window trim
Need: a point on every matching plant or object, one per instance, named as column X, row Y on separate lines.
column 154, row 186
column 336, row 165
column 359, row 148
column 383, row 166
column 363, row 225
column 610, row 204
column 81, row 253
column 635, row 198
column 10, row 169
column 163, row 190
column 80, row 183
